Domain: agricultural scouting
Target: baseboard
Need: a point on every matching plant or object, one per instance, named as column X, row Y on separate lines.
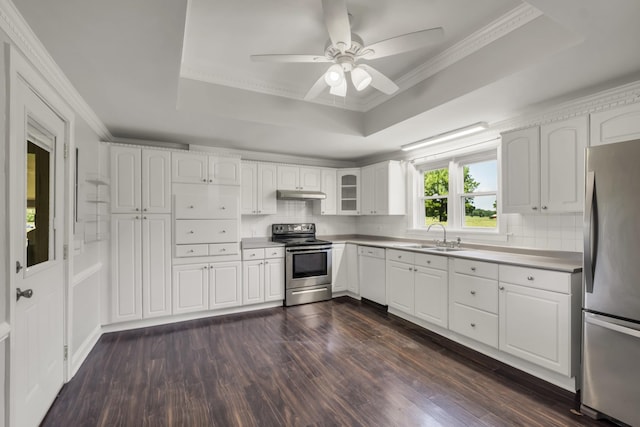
column 79, row 356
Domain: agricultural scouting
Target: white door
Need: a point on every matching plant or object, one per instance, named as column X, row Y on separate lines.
column 328, row 205
column 381, row 189
column 37, row 236
column 274, row 279
column 225, row 285
column 125, row 179
column 156, row 181
column 267, row 186
column 310, row 179
column 156, row 265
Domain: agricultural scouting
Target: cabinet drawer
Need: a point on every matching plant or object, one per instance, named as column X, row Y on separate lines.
column 191, row 206
column 206, row 231
column 431, row 261
column 555, row 281
column 400, row 256
column 476, row 292
column 191, row 250
column 476, row 324
column 371, row 251
column 476, row 268
column 223, row 249
column 274, row 252
column 249, row 254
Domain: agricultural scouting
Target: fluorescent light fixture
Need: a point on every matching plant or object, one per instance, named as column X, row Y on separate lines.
column 360, row 78
column 467, row 130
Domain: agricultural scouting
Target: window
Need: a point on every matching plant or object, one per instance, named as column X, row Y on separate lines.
column 461, row 194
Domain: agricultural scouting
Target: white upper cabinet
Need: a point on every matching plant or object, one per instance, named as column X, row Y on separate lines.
column 299, row 178
column 126, row 179
column 327, row 206
column 562, row 146
column 615, row 125
column 259, row 182
column 520, row 171
column 348, row 188
column 543, row 167
column 141, row 180
column 383, row 189
column 193, row 168
column 156, row 181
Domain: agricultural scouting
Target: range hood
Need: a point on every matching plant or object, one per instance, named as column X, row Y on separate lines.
column 300, row 195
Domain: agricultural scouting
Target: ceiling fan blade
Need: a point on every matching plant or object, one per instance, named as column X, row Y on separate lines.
column 340, row 90
column 336, row 18
column 289, row 58
column 378, row 80
column 403, row 43
column 316, row 89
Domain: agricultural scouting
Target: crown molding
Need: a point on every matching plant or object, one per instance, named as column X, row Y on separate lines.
column 23, row 37
column 510, row 21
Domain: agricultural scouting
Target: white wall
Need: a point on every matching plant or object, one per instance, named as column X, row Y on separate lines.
column 90, row 260
column 549, row 232
column 290, row 211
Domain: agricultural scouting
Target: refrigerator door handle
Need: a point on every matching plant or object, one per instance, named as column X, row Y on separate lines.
column 588, row 232
column 594, row 319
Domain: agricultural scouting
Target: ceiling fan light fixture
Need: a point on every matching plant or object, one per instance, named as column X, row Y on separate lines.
column 360, row 78
column 334, row 75
column 339, row 90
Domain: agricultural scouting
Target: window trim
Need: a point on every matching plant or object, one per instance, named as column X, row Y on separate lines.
column 455, row 215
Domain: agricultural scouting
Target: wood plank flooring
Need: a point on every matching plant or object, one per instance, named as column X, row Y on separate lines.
column 336, row 363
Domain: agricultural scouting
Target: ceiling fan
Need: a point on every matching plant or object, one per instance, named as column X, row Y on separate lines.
column 345, row 49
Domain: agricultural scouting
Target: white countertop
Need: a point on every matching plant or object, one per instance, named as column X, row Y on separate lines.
column 569, row 262
column 259, row 242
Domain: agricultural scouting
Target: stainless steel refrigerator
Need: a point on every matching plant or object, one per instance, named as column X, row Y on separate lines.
column 611, row 303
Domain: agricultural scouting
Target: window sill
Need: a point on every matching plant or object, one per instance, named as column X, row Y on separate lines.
column 453, row 233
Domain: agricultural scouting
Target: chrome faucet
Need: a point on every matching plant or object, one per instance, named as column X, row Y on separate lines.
column 444, row 230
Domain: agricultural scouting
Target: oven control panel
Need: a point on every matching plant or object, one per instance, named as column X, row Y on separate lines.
column 293, row 228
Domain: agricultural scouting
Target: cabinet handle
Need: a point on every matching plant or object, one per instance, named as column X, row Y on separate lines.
column 530, row 278
column 473, row 292
column 473, row 325
column 535, row 208
column 274, row 253
column 544, row 208
column 473, row 269
column 501, row 288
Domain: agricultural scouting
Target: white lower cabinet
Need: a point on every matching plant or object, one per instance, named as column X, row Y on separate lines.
column 351, row 254
column 206, row 286
column 262, row 275
column 538, row 324
column 417, row 284
column 225, row 285
column 339, row 268
column 141, row 261
column 190, row 288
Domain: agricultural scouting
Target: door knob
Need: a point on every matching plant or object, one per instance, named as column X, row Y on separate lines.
column 18, row 267
column 27, row 293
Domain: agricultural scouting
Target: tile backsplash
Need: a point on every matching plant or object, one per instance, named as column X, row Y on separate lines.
column 293, row 211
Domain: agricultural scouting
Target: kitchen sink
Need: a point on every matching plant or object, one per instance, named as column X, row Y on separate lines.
column 441, row 248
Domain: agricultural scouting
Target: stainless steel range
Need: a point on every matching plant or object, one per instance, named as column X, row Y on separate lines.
column 307, row 263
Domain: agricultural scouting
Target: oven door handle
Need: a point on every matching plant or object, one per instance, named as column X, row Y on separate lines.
column 310, row 249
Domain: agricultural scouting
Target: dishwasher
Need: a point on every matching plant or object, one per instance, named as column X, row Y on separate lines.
column 371, row 265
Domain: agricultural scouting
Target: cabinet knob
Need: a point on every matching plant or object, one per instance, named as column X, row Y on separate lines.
column 501, row 288
column 204, row 180
column 259, row 211
column 266, row 262
column 137, row 217
column 137, row 209
column 473, row 292
column 473, row 269
column 399, row 256
column 544, row 208
column 428, row 261
column 530, row 277
column 206, row 267
column 210, row 180
column 535, row 208
column 274, row 253
column 473, row 325
column 322, row 212
column 190, row 206
column 190, row 251
column 144, row 217
column 253, row 254
column 191, row 232
column 410, row 268
column 223, row 231
column 222, row 208
column 144, row 210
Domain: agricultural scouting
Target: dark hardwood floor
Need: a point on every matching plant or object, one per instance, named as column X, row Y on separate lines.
column 336, row 363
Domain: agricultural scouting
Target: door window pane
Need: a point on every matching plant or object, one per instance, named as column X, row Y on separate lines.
column 38, row 215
